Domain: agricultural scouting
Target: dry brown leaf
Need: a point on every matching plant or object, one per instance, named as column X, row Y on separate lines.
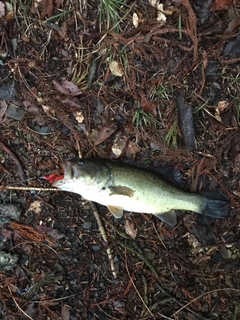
column 31, row 107
column 2, row 10
column 79, row 116
column 53, row 233
column 49, row 110
column 115, row 68
column 159, row 6
column 130, row 229
column 132, row 148
column 67, row 87
column 72, row 102
column 222, row 105
column 63, row 31
column 98, row 137
column 146, row 105
column 35, row 206
column 65, row 312
column 221, row 5
column 233, row 25
column 58, row 3
column 29, row 232
column 160, row 15
column 47, row 6
column 119, row 145
column 135, row 20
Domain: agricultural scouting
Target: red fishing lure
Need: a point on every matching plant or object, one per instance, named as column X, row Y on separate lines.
column 53, row 177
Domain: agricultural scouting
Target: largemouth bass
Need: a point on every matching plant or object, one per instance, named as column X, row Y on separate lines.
column 121, row 186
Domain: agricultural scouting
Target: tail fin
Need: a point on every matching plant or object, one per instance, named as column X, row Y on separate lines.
column 215, row 205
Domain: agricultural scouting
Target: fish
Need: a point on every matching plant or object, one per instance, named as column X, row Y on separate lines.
column 126, row 187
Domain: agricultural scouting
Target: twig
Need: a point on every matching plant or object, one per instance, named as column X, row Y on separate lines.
column 159, row 238
column 104, row 235
column 18, row 305
column 5, row 169
column 28, row 188
column 130, row 277
column 202, row 295
column 22, row 175
column 134, row 248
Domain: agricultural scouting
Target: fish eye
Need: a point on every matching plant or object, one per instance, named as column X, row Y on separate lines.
column 80, row 163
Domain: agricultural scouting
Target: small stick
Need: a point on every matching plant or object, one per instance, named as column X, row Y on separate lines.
column 17, row 305
column 15, row 160
column 104, row 235
column 28, row 188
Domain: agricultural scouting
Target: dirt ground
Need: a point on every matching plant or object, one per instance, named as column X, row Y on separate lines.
column 123, row 80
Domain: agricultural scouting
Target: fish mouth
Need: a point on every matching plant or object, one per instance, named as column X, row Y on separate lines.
column 68, row 174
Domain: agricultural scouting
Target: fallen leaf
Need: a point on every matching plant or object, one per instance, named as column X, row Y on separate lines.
column 67, row 87
column 35, row 206
column 154, row 3
column 2, row 9
column 233, row 25
column 132, row 148
column 115, row 68
column 161, row 12
column 160, row 15
column 135, row 20
column 79, row 116
column 130, row 229
column 65, row 312
column 221, row 5
column 47, row 6
column 98, row 137
column 72, row 101
column 51, row 232
column 119, row 146
column 58, row 3
column 222, row 105
column 49, row 110
column 63, row 31
column 146, row 105
column 28, row 232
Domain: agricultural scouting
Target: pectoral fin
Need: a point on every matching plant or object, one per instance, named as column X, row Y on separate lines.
column 169, row 217
column 122, row 190
column 116, row 211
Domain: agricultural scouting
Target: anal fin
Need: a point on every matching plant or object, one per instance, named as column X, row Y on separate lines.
column 168, row 217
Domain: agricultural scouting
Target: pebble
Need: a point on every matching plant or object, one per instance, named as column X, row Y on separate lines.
column 95, row 248
column 87, row 225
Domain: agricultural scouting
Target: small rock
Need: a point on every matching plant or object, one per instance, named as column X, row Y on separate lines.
column 119, row 304
column 7, row 261
column 87, row 225
column 9, row 212
column 95, row 248
column 150, row 255
column 7, row 91
column 15, row 112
